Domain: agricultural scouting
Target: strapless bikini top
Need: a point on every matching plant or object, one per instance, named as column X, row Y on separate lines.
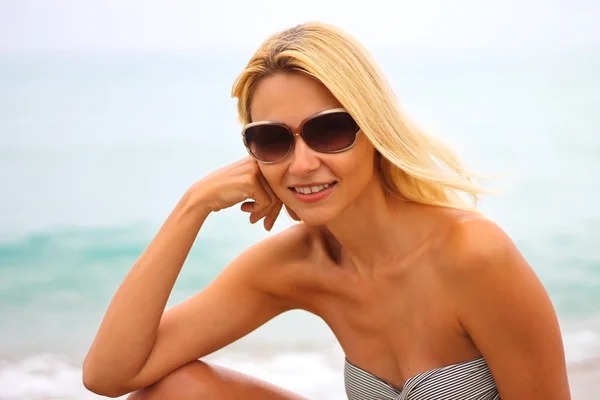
column 470, row 380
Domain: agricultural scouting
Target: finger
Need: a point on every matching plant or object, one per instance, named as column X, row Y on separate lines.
column 262, row 200
column 266, row 187
column 265, row 212
column 292, row 214
column 269, row 199
column 272, row 216
column 248, row 206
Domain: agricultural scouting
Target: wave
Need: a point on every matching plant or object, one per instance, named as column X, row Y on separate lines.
column 53, row 377
column 314, row 371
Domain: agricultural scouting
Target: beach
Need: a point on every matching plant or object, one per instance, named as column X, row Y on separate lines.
column 316, row 375
column 96, row 149
column 584, row 379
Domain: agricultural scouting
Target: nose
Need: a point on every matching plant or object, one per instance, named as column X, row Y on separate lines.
column 303, row 159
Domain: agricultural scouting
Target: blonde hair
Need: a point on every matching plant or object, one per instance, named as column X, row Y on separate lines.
column 413, row 163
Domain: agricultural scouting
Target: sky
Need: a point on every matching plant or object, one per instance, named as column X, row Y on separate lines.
column 187, row 25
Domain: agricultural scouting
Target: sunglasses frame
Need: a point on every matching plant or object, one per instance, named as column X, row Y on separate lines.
column 299, row 131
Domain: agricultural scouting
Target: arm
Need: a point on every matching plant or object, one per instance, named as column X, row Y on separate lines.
column 136, row 343
column 506, row 311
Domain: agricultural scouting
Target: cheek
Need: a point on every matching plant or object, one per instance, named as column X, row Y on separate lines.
column 358, row 168
column 364, row 157
column 363, row 173
column 274, row 177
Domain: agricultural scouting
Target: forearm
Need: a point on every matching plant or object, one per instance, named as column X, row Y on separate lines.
column 128, row 331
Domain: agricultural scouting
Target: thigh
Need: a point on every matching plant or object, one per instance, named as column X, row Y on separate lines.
column 202, row 381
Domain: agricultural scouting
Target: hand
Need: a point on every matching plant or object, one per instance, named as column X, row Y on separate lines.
column 236, row 183
column 293, row 214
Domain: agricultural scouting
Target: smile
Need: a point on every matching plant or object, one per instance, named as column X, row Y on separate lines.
column 314, row 193
column 312, row 189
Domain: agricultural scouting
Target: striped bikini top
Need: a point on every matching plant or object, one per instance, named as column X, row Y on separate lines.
column 470, row 380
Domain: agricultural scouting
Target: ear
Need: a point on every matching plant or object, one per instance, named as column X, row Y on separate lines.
column 292, row 214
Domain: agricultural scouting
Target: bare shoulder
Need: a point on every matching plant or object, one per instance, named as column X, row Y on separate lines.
column 279, row 257
column 294, row 244
column 503, row 307
column 474, row 246
column 477, row 257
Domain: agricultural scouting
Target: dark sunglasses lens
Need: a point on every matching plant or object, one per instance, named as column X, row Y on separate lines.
column 269, row 143
column 330, row 132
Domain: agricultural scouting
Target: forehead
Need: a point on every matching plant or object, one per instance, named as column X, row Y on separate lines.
column 289, row 98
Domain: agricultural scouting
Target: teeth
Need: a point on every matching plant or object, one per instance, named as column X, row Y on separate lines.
column 313, row 189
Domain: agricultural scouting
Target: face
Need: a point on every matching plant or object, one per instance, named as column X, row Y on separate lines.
column 341, row 177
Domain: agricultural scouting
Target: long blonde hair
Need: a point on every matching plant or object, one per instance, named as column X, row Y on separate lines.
column 413, row 163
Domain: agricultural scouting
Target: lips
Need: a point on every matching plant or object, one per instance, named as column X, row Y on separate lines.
column 312, row 189
column 312, row 193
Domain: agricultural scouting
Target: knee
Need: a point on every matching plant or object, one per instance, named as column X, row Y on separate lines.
column 194, row 381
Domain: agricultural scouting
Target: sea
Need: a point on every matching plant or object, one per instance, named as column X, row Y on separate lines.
column 96, row 148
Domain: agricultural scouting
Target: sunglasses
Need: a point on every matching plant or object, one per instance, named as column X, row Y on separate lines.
column 329, row 131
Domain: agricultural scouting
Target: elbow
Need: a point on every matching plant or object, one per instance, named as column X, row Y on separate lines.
column 101, row 388
column 102, row 384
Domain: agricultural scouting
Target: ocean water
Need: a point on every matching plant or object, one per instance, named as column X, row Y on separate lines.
column 96, row 149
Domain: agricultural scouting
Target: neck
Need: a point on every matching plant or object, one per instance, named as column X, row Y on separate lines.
column 376, row 229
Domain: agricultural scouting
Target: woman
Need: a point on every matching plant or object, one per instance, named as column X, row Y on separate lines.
column 428, row 299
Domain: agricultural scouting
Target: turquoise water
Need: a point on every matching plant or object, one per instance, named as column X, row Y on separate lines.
column 95, row 150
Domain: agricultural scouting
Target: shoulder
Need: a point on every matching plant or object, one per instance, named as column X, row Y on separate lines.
column 479, row 265
column 475, row 247
column 281, row 257
column 293, row 244
column 504, row 309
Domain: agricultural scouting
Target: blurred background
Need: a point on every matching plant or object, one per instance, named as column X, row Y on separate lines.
column 110, row 110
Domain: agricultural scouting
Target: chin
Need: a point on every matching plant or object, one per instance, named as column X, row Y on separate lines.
column 316, row 217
